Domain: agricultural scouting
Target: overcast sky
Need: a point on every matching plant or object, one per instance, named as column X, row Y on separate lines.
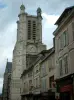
column 9, row 10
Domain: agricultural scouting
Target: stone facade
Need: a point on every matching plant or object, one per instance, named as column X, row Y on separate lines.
column 6, row 82
column 64, row 52
column 32, row 79
column 64, row 42
column 47, row 70
column 47, row 76
column 35, row 69
column 29, row 41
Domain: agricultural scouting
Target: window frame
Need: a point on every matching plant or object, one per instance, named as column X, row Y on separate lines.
column 65, row 64
column 61, row 67
column 73, row 30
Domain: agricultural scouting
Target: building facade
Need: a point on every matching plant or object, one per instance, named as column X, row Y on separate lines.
column 47, row 76
column 64, row 54
column 37, row 80
column 31, row 78
column 29, row 41
column 38, row 73
column 6, row 82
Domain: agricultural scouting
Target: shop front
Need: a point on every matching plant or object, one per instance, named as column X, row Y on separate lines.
column 27, row 97
column 37, row 97
column 44, row 96
column 65, row 88
column 51, row 95
column 66, row 92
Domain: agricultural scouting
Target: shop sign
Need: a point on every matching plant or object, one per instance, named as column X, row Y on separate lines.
column 66, row 88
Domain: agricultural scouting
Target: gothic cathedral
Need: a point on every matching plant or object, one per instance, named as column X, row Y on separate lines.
column 29, row 41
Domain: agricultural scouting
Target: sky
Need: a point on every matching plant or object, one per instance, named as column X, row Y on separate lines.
column 9, row 10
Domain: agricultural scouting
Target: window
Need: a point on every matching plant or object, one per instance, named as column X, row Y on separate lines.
column 50, row 64
column 36, row 82
column 37, row 69
column 29, row 29
column 24, row 88
column 43, row 85
column 34, row 30
column 66, row 64
column 61, row 41
column 24, row 85
column 60, row 65
column 73, row 30
column 65, row 36
column 30, row 74
column 57, row 44
column 51, row 79
column 43, row 70
column 30, row 85
column 30, row 82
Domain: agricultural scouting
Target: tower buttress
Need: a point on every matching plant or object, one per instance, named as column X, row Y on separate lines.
column 39, row 23
column 29, row 42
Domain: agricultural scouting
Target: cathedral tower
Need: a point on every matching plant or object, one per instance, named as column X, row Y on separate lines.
column 29, row 41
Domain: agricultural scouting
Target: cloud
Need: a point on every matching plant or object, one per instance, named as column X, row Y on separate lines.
column 7, row 41
column 1, row 84
column 50, row 18
column 2, row 5
column 48, row 28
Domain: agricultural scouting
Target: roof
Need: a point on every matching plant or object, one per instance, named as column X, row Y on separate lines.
column 8, row 67
column 52, row 50
column 45, row 51
column 64, row 14
column 30, row 59
column 41, row 56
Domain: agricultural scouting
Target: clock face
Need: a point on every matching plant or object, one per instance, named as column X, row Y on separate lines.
column 31, row 48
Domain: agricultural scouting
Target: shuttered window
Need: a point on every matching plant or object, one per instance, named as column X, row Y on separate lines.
column 73, row 30
column 65, row 38
column 43, row 84
column 66, row 64
column 29, row 29
column 61, row 69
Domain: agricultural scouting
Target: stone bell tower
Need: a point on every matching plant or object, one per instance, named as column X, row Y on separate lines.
column 29, row 41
